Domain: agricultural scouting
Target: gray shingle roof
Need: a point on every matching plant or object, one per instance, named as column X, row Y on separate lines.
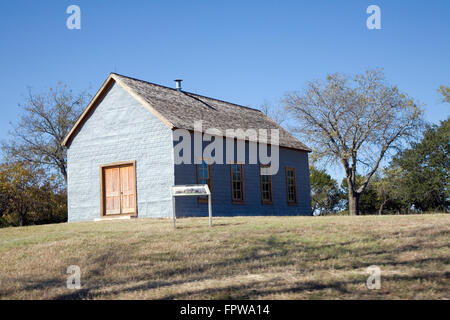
column 182, row 108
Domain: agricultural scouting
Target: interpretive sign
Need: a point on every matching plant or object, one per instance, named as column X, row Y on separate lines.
column 191, row 190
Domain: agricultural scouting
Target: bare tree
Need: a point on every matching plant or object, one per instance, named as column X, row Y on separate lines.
column 277, row 114
column 46, row 119
column 355, row 121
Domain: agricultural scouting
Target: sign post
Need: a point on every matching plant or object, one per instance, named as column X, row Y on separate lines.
column 191, row 190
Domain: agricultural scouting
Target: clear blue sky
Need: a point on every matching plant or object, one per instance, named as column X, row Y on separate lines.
column 240, row 51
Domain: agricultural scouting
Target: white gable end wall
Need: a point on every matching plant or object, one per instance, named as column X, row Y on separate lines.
column 121, row 129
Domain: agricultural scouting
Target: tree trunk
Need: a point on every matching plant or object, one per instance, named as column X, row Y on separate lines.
column 20, row 220
column 353, row 202
column 380, row 211
column 63, row 171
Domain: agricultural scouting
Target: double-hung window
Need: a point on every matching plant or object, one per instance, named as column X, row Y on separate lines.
column 291, row 186
column 266, row 184
column 237, row 183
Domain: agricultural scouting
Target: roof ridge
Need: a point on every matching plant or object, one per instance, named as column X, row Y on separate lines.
column 195, row 94
column 174, row 115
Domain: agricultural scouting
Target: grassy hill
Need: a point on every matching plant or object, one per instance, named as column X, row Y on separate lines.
column 243, row 257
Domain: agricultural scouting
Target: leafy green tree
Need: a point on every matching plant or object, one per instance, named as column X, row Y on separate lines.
column 28, row 196
column 388, row 191
column 17, row 185
column 325, row 194
column 425, row 166
column 3, row 207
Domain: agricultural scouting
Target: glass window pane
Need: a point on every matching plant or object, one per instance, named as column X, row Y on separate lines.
column 236, row 183
column 291, row 187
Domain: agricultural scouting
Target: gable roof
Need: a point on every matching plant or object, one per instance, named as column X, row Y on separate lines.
column 180, row 109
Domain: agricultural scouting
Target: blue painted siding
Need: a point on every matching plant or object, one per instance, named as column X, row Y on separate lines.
column 121, row 129
column 221, row 188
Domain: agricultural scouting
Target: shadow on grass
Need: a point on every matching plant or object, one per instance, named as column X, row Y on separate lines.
column 254, row 256
column 259, row 289
column 267, row 252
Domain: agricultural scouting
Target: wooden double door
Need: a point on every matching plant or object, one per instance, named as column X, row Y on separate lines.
column 118, row 188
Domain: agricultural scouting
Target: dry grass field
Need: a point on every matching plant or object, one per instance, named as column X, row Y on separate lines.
column 239, row 258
